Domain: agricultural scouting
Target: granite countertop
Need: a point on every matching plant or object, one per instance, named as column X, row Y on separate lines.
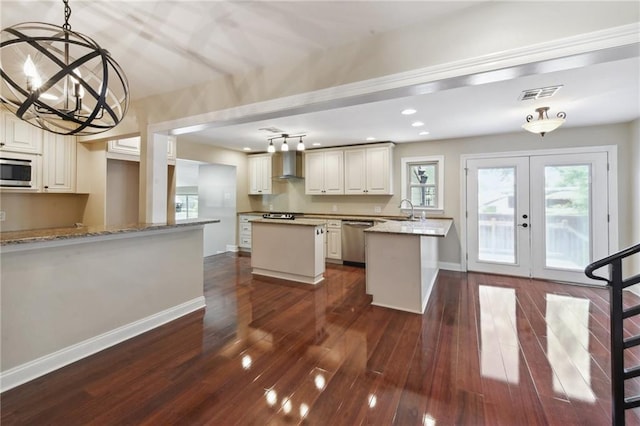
column 336, row 216
column 297, row 221
column 51, row 234
column 429, row 227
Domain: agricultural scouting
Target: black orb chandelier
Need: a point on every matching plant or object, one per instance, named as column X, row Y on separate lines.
column 61, row 80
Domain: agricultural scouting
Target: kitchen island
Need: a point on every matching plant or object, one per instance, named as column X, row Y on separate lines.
column 291, row 250
column 402, row 262
column 70, row 292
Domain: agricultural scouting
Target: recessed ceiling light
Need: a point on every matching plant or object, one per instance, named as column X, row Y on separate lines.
column 246, row 148
column 423, row 133
column 371, row 138
column 417, row 124
column 408, row 111
column 316, row 144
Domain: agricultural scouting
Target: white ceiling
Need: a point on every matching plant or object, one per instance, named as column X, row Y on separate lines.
column 168, row 45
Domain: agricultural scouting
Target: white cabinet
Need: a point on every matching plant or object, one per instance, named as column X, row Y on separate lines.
column 369, row 170
column 19, row 136
column 59, row 163
column 129, row 149
column 260, row 168
column 334, row 240
column 324, row 172
column 127, row 146
column 244, row 231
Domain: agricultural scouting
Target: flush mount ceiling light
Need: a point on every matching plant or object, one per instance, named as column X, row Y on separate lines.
column 544, row 124
column 61, row 80
column 408, row 111
column 285, row 147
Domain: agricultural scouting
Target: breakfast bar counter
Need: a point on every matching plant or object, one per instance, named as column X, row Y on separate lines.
column 70, row 292
column 402, row 262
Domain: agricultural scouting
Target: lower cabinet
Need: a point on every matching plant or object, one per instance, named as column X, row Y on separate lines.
column 244, row 231
column 334, row 240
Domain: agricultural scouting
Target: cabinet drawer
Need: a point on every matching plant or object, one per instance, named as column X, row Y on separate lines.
column 247, row 219
column 245, row 241
column 334, row 223
column 245, row 229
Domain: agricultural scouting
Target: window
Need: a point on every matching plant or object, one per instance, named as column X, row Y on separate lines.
column 186, row 206
column 423, row 182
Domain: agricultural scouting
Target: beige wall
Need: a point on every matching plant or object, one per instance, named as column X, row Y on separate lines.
column 189, row 150
column 293, row 198
column 634, row 195
column 37, row 211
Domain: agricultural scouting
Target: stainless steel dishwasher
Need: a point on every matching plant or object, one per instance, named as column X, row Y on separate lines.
column 353, row 240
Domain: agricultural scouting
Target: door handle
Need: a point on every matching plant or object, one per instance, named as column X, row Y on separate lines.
column 524, row 225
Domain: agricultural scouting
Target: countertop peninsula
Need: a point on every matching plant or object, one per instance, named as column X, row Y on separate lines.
column 52, row 234
column 428, row 227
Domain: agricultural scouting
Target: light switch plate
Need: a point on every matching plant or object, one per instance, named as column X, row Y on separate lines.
column 3, row 216
column 377, row 209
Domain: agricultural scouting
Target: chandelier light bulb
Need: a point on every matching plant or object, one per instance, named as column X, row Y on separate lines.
column 284, row 147
column 271, row 149
column 300, row 145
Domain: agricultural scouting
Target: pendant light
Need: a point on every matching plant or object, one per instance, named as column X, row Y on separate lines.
column 285, row 146
column 543, row 124
column 61, row 80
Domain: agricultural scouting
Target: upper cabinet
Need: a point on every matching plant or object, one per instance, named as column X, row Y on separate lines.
column 19, row 136
column 368, row 170
column 324, row 172
column 260, row 170
column 129, row 149
column 59, row 163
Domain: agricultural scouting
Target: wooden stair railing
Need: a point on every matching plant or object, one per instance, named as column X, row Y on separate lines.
column 617, row 314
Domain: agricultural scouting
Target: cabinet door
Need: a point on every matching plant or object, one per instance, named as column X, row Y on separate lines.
column 355, row 171
column 260, row 175
column 128, row 146
column 334, row 243
column 314, row 173
column 171, row 150
column 378, row 165
column 20, row 136
column 334, row 172
column 59, row 168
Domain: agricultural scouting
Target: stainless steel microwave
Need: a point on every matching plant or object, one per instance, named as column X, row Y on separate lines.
column 15, row 172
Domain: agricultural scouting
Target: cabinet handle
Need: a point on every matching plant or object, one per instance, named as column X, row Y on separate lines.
column 46, row 187
column 1, row 143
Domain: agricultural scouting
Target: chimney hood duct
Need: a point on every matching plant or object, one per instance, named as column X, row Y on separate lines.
column 290, row 165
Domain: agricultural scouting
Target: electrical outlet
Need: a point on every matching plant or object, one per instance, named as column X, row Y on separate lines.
column 377, row 209
column 3, row 216
column 270, row 207
column 334, row 208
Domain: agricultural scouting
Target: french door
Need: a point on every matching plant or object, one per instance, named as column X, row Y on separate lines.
column 542, row 216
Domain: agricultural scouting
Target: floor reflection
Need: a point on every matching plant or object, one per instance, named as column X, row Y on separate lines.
column 568, row 346
column 499, row 357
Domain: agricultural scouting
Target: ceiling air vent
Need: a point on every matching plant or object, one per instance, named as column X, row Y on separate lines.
column 543, row 92
column 271, row 129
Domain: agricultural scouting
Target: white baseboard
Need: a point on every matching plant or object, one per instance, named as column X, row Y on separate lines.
column 232, row 248
column 450, row 266
column 53, row 361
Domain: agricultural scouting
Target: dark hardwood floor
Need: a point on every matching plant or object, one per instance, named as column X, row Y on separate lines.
column 489, row 350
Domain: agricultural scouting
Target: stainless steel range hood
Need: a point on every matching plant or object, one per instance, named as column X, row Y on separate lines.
column 289, row 164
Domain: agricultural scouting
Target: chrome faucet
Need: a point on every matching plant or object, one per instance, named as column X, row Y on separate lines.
column 410, row 203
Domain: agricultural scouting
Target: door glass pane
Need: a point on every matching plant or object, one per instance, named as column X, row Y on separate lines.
column 567, row 211
column 496, row 214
